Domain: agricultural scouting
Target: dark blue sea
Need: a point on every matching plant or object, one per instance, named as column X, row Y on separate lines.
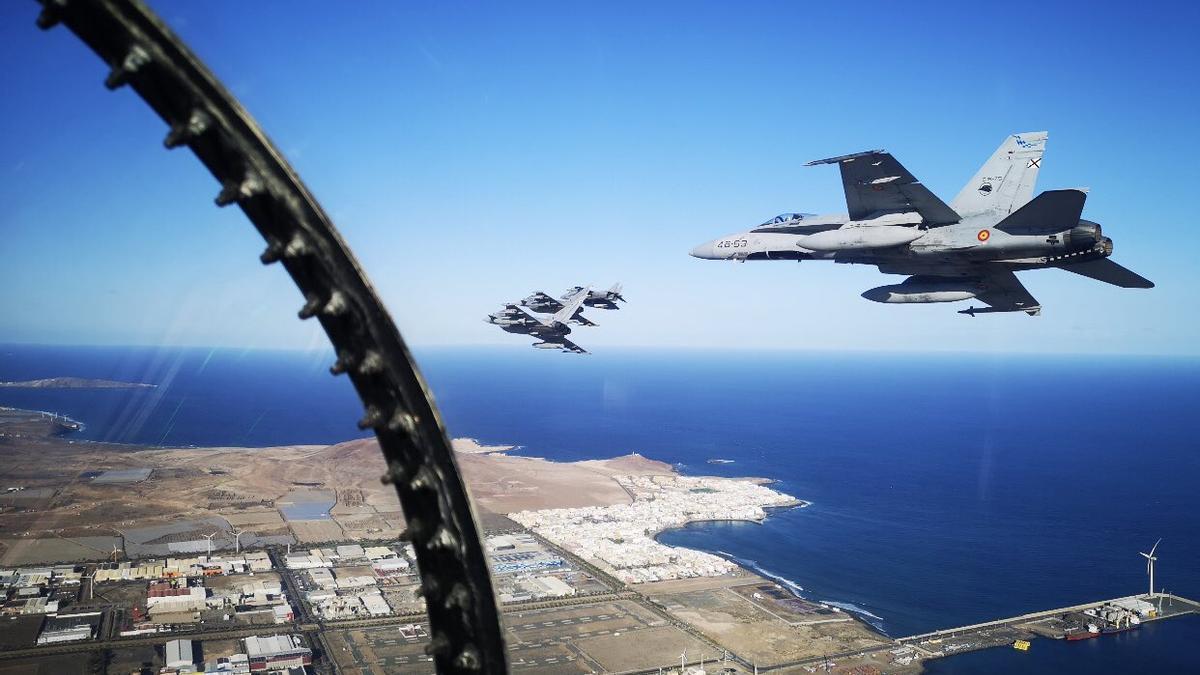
column 946, row 489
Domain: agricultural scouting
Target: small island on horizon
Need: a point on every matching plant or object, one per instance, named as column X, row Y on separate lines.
column 74, row 383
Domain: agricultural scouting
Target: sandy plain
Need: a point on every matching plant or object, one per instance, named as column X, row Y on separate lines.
column 62, row 513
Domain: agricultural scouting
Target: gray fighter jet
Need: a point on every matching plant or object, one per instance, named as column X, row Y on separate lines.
column 552, row 331
column 967, row 249
column 543, row 303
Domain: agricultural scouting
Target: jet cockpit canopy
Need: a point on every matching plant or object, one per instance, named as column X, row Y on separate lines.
column 785, row 218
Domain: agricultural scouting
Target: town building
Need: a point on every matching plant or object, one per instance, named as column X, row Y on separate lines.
column 276, row 652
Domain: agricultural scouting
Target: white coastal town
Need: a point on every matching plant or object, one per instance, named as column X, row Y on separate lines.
column 620, row 538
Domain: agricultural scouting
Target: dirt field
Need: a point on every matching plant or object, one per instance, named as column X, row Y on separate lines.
column 29, row 551
column 314, row 531
column 243, row 485
column 271, row 519
column 752, row 630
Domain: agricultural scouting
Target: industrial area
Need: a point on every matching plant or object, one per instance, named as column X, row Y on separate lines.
column 354, row 608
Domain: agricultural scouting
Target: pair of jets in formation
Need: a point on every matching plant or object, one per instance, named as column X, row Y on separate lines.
column 552, row 332
column 968, row 249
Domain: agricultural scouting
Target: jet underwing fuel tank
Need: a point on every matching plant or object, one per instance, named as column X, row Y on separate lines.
column 918, row 289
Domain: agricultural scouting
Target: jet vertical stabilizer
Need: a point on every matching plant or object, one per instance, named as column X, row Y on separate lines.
column 1005, row 182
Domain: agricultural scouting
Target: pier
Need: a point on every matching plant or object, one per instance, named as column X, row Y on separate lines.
column 1050, row 623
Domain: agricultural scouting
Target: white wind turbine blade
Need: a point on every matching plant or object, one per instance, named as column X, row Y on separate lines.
column 1153, row 548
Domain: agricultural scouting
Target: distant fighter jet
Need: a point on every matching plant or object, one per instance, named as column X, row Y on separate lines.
column 969, row 249
column 544, row 304
column 552, row 331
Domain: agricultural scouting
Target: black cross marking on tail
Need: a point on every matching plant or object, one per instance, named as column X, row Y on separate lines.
column 1035, row 163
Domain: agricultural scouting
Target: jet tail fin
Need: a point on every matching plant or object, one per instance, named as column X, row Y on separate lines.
column 1109, row 272
column 1005, row 182
column 1051, row 211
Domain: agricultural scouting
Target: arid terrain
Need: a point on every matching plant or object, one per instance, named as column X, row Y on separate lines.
column 67, row 498
column 70, row 501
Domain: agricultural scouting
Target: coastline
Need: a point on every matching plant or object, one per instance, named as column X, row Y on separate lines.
column 249, row 485
column 750, row 568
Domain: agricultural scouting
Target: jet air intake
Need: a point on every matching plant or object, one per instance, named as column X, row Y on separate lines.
column 924, row 289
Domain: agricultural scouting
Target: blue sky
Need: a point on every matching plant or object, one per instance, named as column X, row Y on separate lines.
column 471, row 153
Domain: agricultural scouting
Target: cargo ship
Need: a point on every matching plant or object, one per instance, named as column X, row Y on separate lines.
column 1084, row 632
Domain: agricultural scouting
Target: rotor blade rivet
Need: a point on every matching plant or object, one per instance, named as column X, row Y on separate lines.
column 371, row 418
column 296, row 247
column 272, row 253
column 372, row 363
column 444, row 540
column 197, row 123
column 336, row 305
column 343, row 363
column 468, row 659
column 236, row 191
column 395, row 473
column 423, row 480
column 49, row 18
column 402, row 421
column 458, row 597
column 133, row 61
column 309, row 310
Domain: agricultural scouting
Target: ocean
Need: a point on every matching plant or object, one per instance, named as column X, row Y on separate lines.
column 945, row 489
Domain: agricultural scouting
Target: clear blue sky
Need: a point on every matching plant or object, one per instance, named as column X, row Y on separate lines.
column 471, row 153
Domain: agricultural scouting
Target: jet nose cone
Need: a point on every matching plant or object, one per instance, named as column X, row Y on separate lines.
column 703, row 251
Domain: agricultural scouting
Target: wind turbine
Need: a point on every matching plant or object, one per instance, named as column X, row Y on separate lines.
column 209, row 537
column 1150, row 564
column 237, row 540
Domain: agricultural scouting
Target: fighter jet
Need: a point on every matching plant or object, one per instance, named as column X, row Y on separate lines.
column 967, row 249
column 544, row 304
column 601, row 299
column 552, row 331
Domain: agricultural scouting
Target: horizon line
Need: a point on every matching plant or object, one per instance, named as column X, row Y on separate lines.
column 629, row 348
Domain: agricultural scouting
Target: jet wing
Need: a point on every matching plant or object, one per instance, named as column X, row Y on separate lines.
column 1109, row 272
column 546, row 298
column 876, row 183
column 582, row 320
column 571, row 346
column 1003, row 292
